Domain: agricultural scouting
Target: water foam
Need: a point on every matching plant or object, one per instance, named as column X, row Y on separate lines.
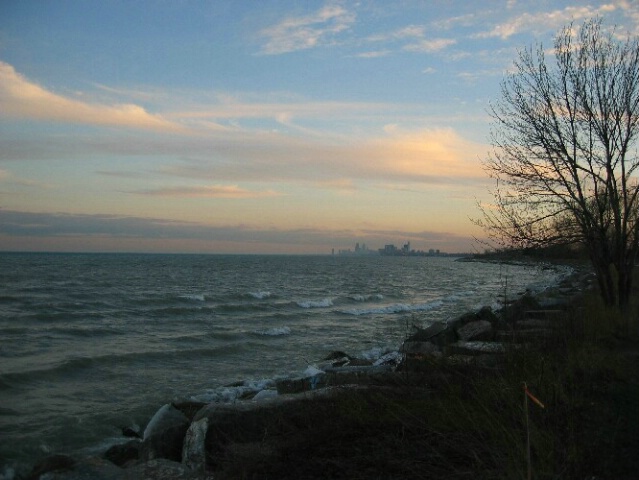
column 324, row 303
column 366, row 298
column 230, row 394
column 195, row 297
column 274, row 332
column 395, row 308
column 260, row 295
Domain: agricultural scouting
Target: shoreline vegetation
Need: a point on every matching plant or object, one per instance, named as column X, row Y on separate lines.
column 457, row 402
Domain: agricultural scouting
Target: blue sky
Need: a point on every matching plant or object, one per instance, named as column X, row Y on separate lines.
column 256, row 127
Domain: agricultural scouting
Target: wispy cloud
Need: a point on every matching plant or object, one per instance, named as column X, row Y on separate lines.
column 430, row 45
column 21, row 98
column 287, row 141
column 374, row 54
column 411, row 38
column 303, row 32
column 208, row 191
column 546, row 21
column 94, row 230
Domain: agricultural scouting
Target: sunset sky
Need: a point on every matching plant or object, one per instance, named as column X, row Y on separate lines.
column 229, row 126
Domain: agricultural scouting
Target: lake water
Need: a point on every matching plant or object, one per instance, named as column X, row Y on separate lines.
column 90, row 343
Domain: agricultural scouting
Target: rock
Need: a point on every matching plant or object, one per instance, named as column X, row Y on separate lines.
column 438, row 333
column 92, row 468
column 164, row 435
column 264, row 394
column 416, row 348
column 335, row 376
column 189, row 408
column 130, row 433
column 289, row 386
column 462, row 320
column 248, row 423
column 336, row 355
column 486, row 313
column 53, row 463
column 162, row 469
column 425, row 334
column 121, row 455
column 480, row 330
column 391, row 358
column 476, row 348
column 194, row 451
column 341, row 359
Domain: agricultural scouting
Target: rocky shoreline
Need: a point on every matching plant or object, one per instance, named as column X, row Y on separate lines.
column 184, row 440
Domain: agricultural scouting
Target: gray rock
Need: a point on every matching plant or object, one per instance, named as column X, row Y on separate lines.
column 164, row 435
column 480, row 330
column 92, row 468
column 53, row 463
column 120, row 455
column 413, row 348
column 194, row 450
column 476, row 348
column 162, row 469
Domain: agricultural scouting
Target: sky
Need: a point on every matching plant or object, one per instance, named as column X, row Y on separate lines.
column 229, row 126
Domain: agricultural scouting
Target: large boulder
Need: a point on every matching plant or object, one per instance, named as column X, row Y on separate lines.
column 480, row 330
column 61, row 467
column 162, row 469
column 437, row 333
column 194, row 453
column 123, row 454
column 485, row 313
column 53, row 463
column 164, row 435
column 421, row 349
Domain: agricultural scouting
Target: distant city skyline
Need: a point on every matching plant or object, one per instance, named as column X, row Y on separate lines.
column 257, row 127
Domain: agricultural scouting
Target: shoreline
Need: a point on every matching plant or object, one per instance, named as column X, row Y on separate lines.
column 328, row 379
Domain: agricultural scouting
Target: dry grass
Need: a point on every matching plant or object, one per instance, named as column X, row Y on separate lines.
column 459, row 422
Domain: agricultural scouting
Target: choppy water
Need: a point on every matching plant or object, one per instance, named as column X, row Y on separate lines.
column 93, row 342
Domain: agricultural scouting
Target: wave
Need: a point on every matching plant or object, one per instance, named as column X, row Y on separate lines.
column 260, row 295
column 274, row 332
column 195, row 297
column 231, row 393
column 395, row 308
column 79, row 364
column 366, row 298
column 324, row 303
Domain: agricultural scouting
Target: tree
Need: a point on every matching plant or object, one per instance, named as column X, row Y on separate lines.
column 565, row 156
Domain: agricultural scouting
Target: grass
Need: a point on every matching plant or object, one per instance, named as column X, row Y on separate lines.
column 460, row 422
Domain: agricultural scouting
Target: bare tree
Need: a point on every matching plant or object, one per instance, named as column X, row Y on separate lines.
column 565, row 153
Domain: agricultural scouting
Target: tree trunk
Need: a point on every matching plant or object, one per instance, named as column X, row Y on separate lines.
column 624, row 286
column 606, row 283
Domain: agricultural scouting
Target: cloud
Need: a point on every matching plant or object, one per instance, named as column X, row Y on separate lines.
column 374, row 54
column 211, row 191
column 413, row 38
column 431, row 156
column 100, row 231
column 300, row 33
column 410, row 31
column 21, row 98
column 430, row 46
column 548, row 21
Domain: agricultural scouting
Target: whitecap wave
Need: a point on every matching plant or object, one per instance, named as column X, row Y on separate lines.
column 260, row 295
column 395, row 308
column 231, row 394
column 274, row 332
column 366, row 298
column 194, row 297
column 324, row 303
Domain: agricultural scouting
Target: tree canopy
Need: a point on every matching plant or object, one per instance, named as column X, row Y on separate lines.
column 565, row 156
